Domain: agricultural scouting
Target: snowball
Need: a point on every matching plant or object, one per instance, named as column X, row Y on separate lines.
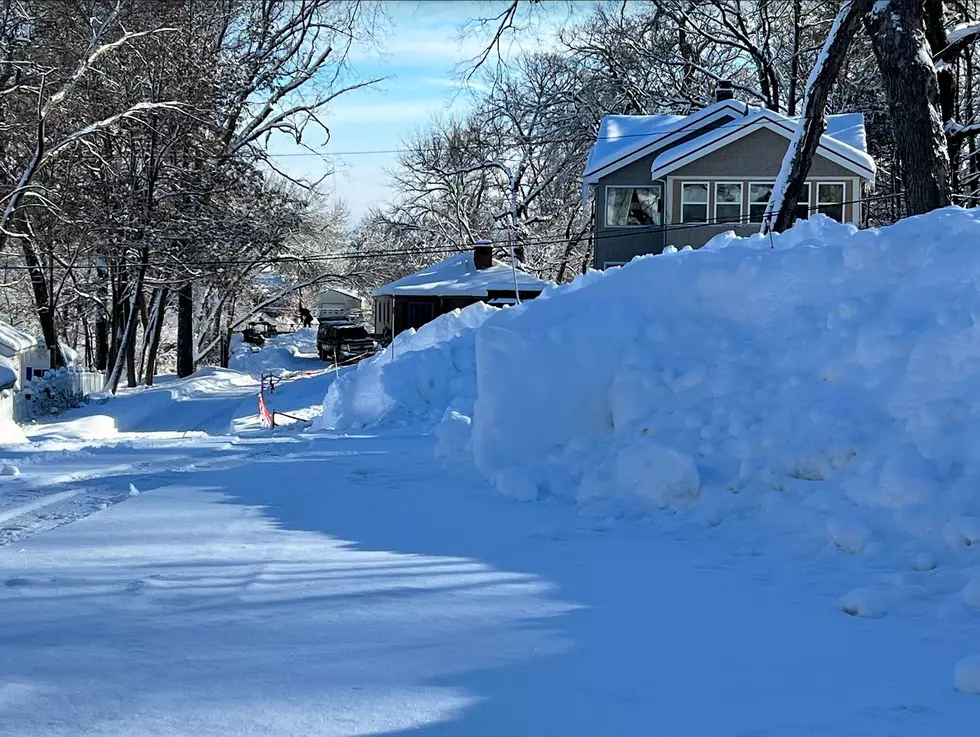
column 862, row 602
column 657, row 473
column 967, row 675
column 971, row 592
column 849, row 535
column 925, row 562
column 453, row 435
column 9, row 470
column 962, row 532
column 515, row 483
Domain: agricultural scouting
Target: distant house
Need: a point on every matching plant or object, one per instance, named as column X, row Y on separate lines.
column 458, row 281
column 668, row 180
column 339, row 303
column 23, row 353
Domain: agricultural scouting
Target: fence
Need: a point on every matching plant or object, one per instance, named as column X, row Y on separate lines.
column 55, row 392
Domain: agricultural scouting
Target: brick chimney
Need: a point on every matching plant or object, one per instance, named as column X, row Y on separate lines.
column 482, row 255
column 724, row 90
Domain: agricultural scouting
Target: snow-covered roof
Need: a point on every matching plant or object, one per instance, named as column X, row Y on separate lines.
column 8, row 375
column 623, row 139
column 457, row 276
column 339, row 290
column 14, row 340
column 831, row 148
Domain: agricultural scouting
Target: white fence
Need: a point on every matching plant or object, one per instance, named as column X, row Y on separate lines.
column 55, row 392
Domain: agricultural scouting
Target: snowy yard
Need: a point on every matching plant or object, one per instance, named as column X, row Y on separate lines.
column 454, row 548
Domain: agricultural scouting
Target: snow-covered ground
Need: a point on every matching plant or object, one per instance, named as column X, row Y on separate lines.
column 379, row 578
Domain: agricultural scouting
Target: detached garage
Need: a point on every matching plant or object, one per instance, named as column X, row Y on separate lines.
column 456, row 282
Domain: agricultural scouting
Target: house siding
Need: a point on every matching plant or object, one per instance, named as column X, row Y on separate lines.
column 756, row 157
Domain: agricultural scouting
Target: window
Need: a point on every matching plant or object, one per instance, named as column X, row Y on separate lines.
column 728, row 202
column 631, row 206
column 610, row 264
column 759, row 194
column 694, row 202
column 830, row 200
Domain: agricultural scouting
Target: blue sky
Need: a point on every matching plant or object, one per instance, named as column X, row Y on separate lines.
column 426, row 42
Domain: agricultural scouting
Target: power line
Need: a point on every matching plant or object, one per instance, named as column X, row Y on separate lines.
column 354, row 255
column 646, row 134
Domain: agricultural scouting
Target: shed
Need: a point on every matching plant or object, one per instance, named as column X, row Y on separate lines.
column 456, row 282
column 22, row 351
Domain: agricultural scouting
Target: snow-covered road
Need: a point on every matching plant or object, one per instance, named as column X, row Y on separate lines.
column 304, row 584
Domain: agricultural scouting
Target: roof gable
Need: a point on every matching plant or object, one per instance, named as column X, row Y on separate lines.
column 623, row 139
column 830, row 148
column 457, row 276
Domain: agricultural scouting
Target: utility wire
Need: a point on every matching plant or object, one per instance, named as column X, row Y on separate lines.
column 627, row 232
column 584, row 138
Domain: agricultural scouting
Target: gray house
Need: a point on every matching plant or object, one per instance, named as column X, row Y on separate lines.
column 668, row 180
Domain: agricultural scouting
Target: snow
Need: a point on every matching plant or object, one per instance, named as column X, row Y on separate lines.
column 8, row 374
column 621, row 135
column 457, row 276
column 414, row 379
column 726, row 492
column 962, row 31
column 13, row 340
column 967, row 675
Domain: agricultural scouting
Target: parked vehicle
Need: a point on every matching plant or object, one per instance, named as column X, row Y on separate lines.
column 256, row 333
column 343, row 341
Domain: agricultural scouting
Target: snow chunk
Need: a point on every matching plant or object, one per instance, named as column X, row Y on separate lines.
column 657, row 473
column 925, row 562
column 863, row 602
column 515, row 483
column 967, row 675
column 9, row 470
column 849, row 535
column 971, row 592
column 453, row 435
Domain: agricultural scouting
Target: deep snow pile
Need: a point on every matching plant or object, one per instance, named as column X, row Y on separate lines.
column 832, row 380
column 420, row 376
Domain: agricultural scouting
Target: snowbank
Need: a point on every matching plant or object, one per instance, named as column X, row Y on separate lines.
column 424, row 375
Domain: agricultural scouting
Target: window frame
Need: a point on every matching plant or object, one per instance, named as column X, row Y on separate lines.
column 706, row 203
column 807, row 186
column 651, row 185
column 842, row 202
column 613, row 264
column 741, row 202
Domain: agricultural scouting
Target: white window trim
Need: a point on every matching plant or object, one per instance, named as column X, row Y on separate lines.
column 841, row 184
column 741, row 202
column 650, row 185
column 808, row 185
column 706, row 203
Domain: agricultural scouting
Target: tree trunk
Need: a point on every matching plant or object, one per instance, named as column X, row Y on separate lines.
column 126, row 351
column 895, row 28
column 788, row 189
column 154, row 333
column 185, row 330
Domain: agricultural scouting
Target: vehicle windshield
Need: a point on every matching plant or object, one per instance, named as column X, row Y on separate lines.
column 352, row 333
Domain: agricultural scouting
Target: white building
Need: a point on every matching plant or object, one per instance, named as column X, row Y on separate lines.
column 23, row 352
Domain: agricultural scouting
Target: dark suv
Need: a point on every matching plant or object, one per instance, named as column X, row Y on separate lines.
column 343, row 341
